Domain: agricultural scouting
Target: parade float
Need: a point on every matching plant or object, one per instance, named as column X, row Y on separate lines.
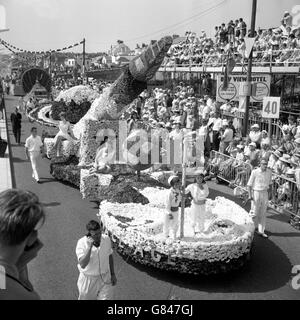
column 132, row 196
column 136, row 231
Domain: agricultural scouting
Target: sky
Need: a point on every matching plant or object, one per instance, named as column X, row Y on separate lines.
column 50, row 24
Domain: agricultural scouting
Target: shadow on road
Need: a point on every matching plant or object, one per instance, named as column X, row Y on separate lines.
column 280, row 217
column 51, row 204
column 45, row 180
column 19, row 160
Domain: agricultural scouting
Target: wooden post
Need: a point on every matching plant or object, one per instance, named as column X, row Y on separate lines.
column 249, row 71
column 270, row 129
column 182, row 201
column 83, row 59
column 184, row 154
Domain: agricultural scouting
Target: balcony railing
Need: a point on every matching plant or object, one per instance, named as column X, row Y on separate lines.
column 268, row 58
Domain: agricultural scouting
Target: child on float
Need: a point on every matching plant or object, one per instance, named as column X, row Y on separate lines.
column 199, row 192
column 173, row 199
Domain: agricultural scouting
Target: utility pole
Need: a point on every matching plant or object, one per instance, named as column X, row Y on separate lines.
column 249, row 71
column 83, row 58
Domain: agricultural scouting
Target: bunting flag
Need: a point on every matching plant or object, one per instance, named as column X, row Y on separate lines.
column 249, row 42
column 9, row 46
column 230, row 64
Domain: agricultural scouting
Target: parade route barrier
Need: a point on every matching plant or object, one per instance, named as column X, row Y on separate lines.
column 231, row 170
column 7, row 176
column 285, row 193
column 285, row 198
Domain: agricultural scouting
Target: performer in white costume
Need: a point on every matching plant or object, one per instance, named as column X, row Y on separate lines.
column 104, row 154
column 65, row 133
column 172, row 203
column 199, row 192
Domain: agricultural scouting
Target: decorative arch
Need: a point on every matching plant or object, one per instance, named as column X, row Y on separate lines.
column 30, row 76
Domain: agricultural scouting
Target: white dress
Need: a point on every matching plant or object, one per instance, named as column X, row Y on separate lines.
column 198, row 210
column 63, row 131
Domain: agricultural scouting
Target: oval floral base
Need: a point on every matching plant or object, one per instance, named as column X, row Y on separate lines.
column 136, row 231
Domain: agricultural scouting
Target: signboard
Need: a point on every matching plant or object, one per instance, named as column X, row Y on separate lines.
column 260, row 82
column 271, row 107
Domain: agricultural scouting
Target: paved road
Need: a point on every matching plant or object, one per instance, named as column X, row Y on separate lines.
column 54, row 272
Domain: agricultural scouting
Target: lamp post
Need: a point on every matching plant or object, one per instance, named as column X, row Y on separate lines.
column 249, row 71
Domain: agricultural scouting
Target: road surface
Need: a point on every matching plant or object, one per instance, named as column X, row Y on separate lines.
column 54, row 272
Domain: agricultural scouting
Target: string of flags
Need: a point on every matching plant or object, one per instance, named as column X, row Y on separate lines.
column 11, row 48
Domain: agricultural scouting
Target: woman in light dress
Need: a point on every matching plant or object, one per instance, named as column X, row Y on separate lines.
column 199, row 192
column 65, row 133
column 104, row 154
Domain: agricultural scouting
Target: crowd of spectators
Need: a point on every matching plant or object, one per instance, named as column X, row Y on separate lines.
column 227, row 153
column 278, row 45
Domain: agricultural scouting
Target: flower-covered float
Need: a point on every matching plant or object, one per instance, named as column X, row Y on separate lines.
column 136, row 231
column 103, row 119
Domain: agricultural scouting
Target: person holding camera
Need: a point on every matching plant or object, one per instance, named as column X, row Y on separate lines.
column 95, row 264
column 21, row 215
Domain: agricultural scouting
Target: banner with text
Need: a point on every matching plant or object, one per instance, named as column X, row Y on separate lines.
column 261, row 83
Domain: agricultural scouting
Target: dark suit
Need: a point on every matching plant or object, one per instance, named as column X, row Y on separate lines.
column 16, row 119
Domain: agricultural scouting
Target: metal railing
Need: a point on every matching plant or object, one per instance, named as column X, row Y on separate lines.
column 264, row 124
column 229, row 169
column 267, row 58
column 285, row 195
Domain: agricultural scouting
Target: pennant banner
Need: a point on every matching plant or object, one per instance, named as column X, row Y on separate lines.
column 7, row 45
column 249, row 42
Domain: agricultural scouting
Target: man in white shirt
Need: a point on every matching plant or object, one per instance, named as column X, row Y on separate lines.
column 259, row 188
column 95, row 264
column 33, row 150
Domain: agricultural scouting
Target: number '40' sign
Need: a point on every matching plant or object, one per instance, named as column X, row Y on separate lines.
column 271, row 107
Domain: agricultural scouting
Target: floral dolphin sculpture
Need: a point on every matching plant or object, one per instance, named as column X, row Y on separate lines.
column 128, row 86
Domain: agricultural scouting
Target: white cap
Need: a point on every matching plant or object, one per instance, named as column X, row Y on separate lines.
column 290, row 172
column 255, row 126
column 172, row 178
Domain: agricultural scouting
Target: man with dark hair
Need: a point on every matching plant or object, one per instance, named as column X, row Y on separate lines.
column 95, row 264
column 21, row 215
column 16, row 119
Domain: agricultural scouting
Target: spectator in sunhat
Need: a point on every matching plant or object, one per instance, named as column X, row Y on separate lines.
column 253, row 153
column 285, row 130
column 297, row 146
column 255, row 135
column 284, row 163
column 287, row 143
column 292, row 124
column 265, row 151
column 274, row 160
column 226, row 137
column 265, row 138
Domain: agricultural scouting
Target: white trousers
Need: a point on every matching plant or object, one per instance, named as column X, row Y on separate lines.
column 171, row 225
column 260, row 201
column 35, row 161
column 198, row 217
column 95, row 287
